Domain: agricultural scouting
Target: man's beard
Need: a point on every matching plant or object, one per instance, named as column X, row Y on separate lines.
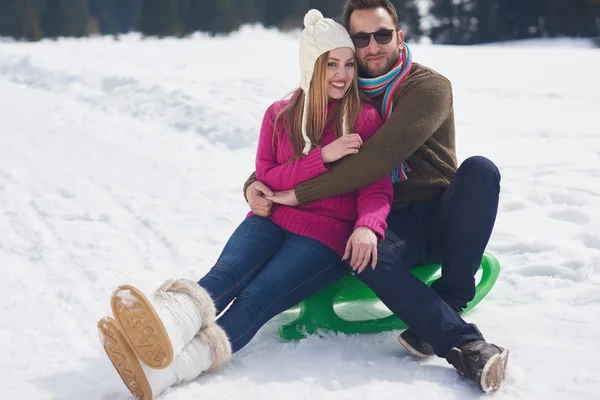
column 365, row 72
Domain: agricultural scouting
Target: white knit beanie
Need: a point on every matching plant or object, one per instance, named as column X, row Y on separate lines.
column 319, row 36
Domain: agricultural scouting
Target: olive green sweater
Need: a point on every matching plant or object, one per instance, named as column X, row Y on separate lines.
column 419, row 131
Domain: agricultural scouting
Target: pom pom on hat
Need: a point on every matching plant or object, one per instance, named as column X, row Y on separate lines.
column 312, row 17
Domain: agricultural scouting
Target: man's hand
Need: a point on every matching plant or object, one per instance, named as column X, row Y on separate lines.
column 286, row 197
column 341, row 147
column 257, row 194
column 362, row 245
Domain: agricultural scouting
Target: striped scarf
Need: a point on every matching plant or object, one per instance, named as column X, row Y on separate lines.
column 387, row 85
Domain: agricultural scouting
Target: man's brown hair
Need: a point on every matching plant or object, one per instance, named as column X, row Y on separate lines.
column 352, row 5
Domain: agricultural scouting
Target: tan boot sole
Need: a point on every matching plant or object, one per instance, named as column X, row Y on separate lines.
column 493, row 372
column 414, row 352
column 142, row 328
column 123, row 359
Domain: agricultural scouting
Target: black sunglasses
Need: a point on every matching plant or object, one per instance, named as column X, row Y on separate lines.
column 383, row 36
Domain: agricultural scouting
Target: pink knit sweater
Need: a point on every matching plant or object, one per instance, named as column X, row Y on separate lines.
column 331, row 220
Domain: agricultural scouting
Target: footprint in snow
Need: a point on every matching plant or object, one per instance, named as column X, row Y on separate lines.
column 591, row 241
column 570, row 215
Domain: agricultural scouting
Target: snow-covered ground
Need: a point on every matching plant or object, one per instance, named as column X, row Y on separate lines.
column 123, row 162
column 555, row 43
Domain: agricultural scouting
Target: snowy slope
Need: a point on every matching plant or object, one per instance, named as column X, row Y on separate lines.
column 122, row 162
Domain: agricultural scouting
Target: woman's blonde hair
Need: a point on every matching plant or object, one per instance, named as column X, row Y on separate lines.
column 317, row 118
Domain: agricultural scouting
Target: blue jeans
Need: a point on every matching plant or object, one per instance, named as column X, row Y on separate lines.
column 452, row 229
column 265, row 270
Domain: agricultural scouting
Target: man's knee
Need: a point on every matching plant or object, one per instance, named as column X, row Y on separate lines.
column 482, row 167
column 387, row 270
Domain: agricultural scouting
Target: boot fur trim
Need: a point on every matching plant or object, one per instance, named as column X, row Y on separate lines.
column 199, row 296
column 219, row 345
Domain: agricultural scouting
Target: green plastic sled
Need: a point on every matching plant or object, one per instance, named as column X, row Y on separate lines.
column 317, row 312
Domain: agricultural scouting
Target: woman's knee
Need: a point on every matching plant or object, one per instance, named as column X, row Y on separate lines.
column 249, row 303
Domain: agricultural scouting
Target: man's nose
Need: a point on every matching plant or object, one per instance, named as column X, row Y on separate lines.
column 373, row 46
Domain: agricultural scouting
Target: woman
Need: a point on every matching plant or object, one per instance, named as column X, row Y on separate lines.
column 269, row 264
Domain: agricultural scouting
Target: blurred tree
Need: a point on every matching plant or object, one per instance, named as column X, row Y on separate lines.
column 116, row 16
column 160, row 18
column 26, row 23
column 501, row 20
column 260, row 7
column 201, row 12
column 455, row 23
column 275, row 11
column 214, row 16
column 5, row 16
column 480, row 21
column 293, row 16
column 571, row 18
column 523, row 20
column 410, row 19
column 68, row 18
column 246, row 11
column 185, row 19
column 330, row 8
column 106, row 12
column 225, row 18
column 128, row 16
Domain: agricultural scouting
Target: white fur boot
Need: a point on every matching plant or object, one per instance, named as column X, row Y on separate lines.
column 158, row 328
column 210, row 350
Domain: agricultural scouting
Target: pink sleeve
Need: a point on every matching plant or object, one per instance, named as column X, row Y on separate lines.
column 286, row 176
column 374, row 200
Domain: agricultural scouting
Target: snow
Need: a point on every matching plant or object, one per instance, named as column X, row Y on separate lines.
column 555, row 42
column 126, row 297
column 123, row 162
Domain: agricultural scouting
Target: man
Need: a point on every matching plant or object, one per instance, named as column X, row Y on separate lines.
column 440, row 213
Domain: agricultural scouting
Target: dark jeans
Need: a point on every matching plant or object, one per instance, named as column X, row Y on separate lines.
column 265, row 270
column 453, row 229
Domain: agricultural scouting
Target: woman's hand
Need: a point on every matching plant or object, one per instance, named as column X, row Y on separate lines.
column 286, row 198
column 341, row 147
column 362, row 245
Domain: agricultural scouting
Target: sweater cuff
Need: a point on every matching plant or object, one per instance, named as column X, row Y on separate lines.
column 375, row 224
column 307, row 192
column 249, row 182
column 313, row 162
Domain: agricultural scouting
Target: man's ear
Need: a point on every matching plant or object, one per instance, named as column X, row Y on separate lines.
column 401, row 40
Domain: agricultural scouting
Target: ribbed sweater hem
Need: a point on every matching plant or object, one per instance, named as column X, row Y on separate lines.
column 332, row 232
